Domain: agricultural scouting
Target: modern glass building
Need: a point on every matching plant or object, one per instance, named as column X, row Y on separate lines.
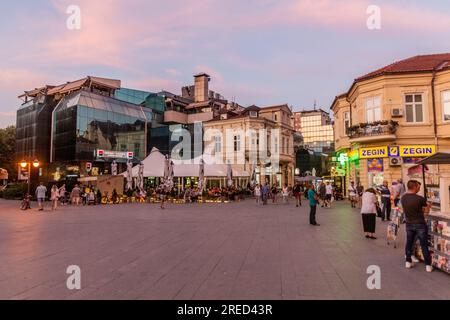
column 316, row 129
column 159, row 133
column 84, row 122
column 34, row 129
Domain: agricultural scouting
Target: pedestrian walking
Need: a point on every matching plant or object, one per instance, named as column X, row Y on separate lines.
column 62, row 195
column 298, row 194
column 328, row 194
column 54, row 196
column 322, row 193
column 369, row 212
column 385, row 201
column 396, row 192
column 257, row 193
column 285, row 194
column 313, row 201
column 75, row 195
column 41, row 192
column 360, row 192
column 415, row 208
column 274, row 192
column 352, row 194
column 265, row 193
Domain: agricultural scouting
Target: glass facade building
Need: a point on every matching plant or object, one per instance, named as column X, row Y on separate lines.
column 316, row 129
column 158, row 134
column 34, row 129
column 84, row 122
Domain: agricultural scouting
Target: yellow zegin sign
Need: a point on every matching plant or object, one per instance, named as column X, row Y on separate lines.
column 417, row 151
column 373, row 152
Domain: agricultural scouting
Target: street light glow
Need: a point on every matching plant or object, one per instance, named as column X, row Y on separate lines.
column 36, row 163
column 23, row 164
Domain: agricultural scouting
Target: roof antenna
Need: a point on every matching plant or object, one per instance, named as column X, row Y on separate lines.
column 315, row 104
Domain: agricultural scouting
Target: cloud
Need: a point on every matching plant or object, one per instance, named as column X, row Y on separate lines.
column 173, row 72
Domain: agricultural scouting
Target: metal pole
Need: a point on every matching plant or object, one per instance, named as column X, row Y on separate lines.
column 29, row 177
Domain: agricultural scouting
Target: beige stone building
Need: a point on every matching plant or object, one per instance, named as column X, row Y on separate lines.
column 243, row 134
column 392, row 117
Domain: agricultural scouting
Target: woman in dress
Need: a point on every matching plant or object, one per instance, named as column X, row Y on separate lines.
column 54, row 196
column 258, row 194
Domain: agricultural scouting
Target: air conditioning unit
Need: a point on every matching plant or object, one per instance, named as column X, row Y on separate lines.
column 397, row 112
column 395, row 162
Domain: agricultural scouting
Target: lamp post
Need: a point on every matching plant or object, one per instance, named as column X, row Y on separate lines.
column 24, row 164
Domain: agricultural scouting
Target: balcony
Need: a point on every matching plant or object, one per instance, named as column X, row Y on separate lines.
column 375, row 131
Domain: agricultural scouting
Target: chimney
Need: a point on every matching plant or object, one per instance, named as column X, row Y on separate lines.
column 201, row 87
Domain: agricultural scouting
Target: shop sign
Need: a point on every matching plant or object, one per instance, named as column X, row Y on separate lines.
column 375, row 165
column 373, row 152
column 394, row 151
column 417, row 151
column 115, row 154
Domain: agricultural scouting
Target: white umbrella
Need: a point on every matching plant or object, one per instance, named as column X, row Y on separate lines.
column 140, row 178
column 171, row 174
column 166, row 167
column 114, row 168
column 201, row 175
column 129, row 175
column 230, row 175
column 253, row 176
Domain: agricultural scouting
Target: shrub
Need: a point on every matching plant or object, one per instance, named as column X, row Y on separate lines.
column 15, row 191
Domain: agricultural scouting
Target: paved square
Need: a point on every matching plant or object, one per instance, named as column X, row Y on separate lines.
column 208, row 251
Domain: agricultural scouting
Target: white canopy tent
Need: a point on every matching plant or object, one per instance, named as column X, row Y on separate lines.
column 154, row 167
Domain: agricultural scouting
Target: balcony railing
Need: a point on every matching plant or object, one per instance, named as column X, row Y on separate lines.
column 378, row 128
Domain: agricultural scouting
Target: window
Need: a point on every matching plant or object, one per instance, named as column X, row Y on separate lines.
column 237, row 143
column 346, row 122
column 253, row 114
column 275, row 144
column 275, row 117
column 373, row 109
column 446, row 105
column 414, row 108
column 217, row 144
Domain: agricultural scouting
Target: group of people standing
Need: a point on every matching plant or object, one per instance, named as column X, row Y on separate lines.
column 77, row 196
column 414, row 207
column 263, row 193
column 323, row 197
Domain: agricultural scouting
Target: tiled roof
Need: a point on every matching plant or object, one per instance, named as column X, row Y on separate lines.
column 421, row 63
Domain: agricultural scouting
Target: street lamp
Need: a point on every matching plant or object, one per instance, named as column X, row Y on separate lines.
column 24, row 164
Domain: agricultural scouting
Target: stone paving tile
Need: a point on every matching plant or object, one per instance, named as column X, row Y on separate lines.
column 210, row 251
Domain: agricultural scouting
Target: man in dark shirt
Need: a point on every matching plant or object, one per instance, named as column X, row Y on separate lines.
column 385, row 201
column 415, row 207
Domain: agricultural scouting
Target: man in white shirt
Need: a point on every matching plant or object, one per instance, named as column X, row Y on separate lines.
column 41, row 192
column 328, row 194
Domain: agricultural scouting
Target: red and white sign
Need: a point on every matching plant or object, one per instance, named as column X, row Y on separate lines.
column 115, row 154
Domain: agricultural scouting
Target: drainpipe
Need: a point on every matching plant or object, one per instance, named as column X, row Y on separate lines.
column 433, row 98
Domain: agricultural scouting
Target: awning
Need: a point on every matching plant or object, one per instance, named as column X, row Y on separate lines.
column 438, row 158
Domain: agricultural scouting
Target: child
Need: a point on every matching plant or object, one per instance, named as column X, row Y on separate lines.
column 26, row 202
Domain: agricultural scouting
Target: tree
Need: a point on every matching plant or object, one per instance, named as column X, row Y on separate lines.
column 7, row 151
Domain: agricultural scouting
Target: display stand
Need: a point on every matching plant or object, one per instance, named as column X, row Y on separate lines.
column 439, row 217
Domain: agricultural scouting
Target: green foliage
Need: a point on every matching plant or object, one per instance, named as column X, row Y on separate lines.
column 7, row 151
column 15, row 191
